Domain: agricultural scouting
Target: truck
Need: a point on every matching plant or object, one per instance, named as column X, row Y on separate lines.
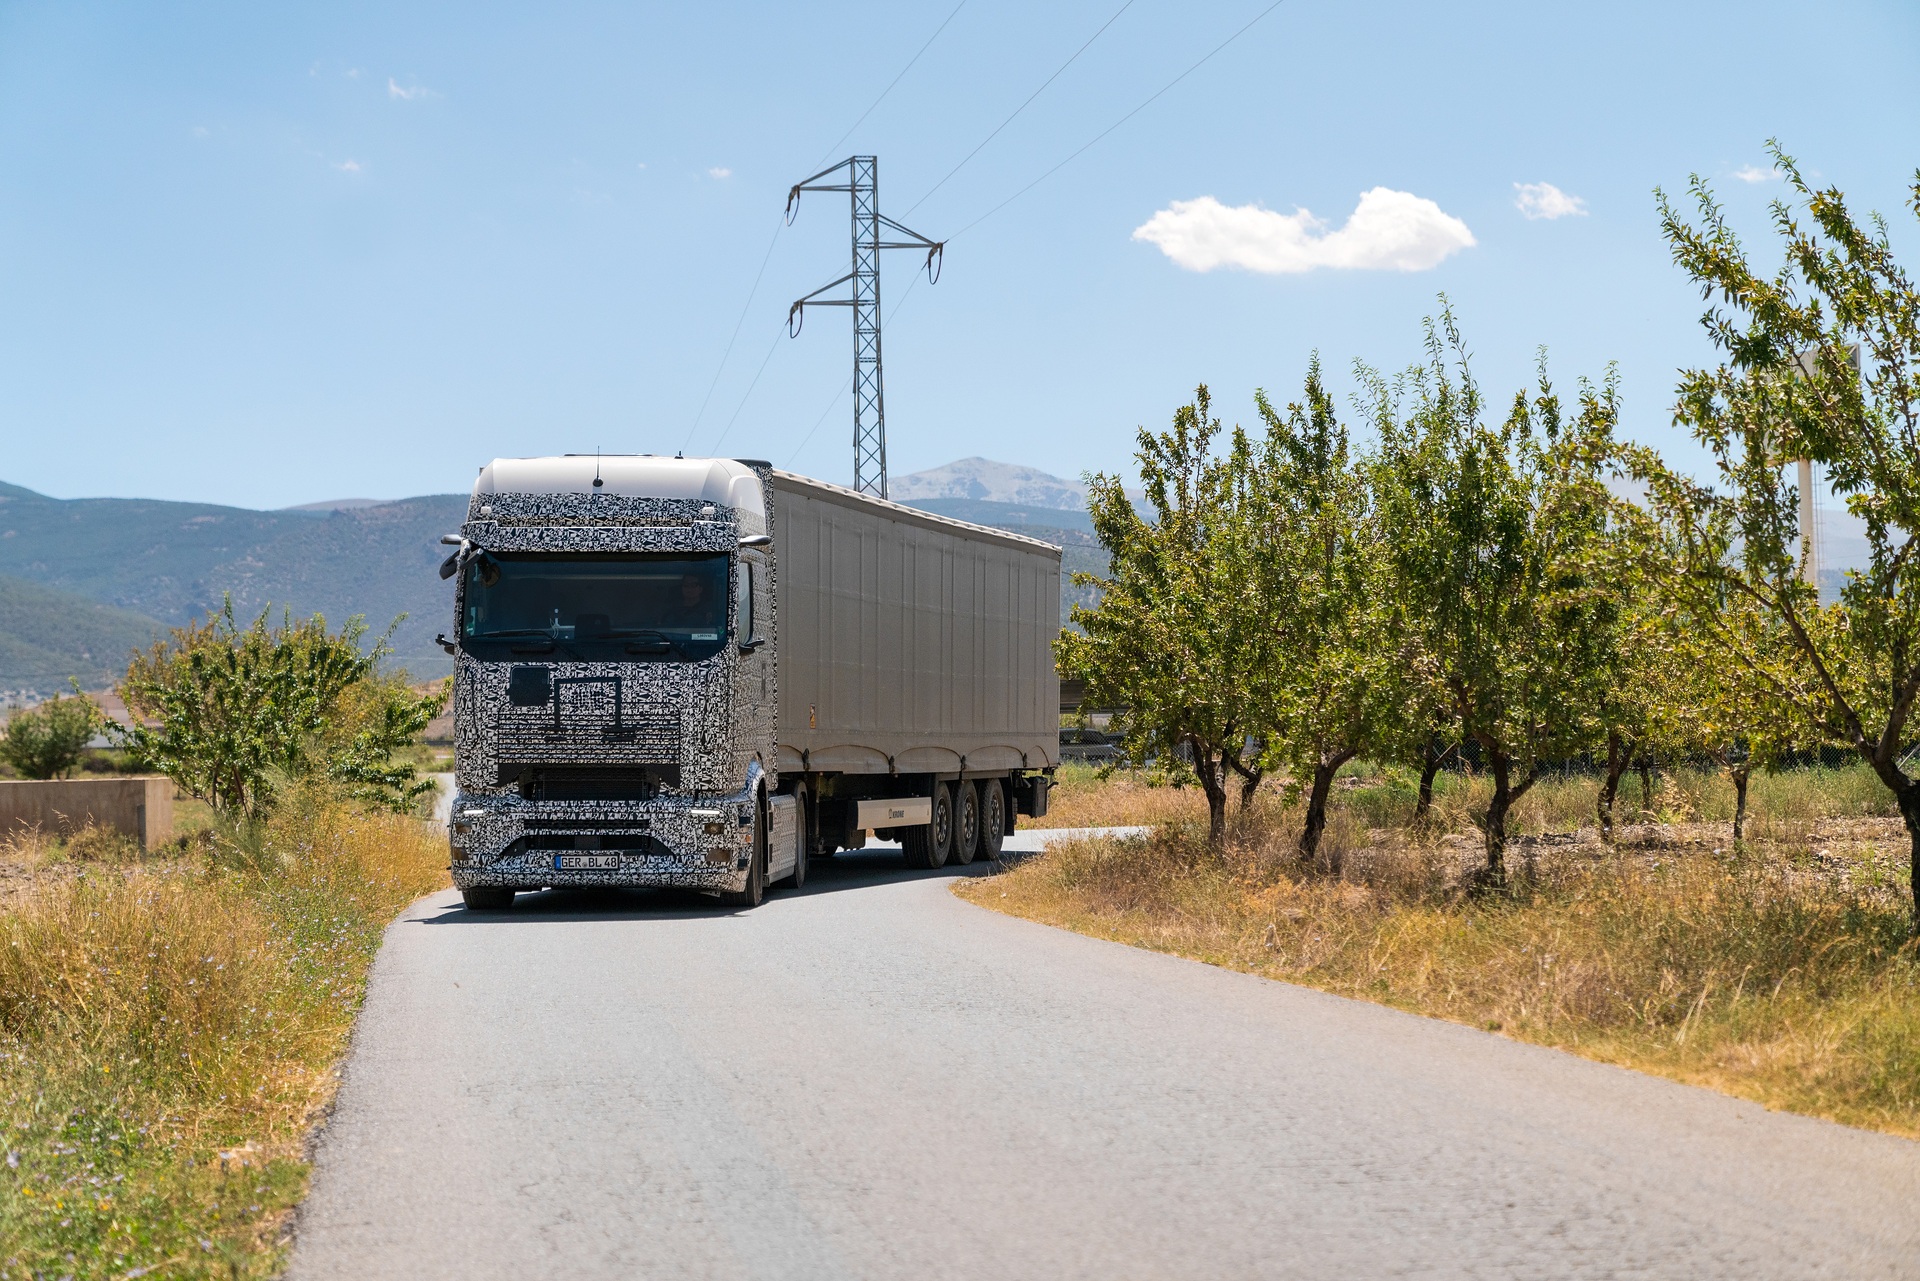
column 703, row 673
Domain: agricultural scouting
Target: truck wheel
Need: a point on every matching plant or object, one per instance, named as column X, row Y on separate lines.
column 966, row 822
column 993, row 818
column 928, row 846
column 487, row 899
column 798, row 877
column 756, row 886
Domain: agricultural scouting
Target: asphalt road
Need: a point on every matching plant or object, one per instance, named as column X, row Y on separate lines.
column 874, row 1079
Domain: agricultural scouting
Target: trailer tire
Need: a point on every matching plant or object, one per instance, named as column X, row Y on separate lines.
column 966, row 822
column 927, row 845
column 487, row 899
column 750, row 895
column 993, row 818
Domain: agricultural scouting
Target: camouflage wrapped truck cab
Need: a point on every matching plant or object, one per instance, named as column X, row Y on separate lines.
column 702, row 673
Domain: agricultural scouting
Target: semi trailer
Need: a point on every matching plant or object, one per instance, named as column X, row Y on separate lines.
column 703, row 673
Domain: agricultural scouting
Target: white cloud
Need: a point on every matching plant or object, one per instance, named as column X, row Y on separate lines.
column 351, row 73
column 1387, row 231
column 1544, row 200
column 201, row 131
column 348, row 166
column 1753, row 173
column 643, row 164
column 410, row 93
column 715, row 172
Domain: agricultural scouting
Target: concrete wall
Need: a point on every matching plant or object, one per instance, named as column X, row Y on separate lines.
column 140, row 807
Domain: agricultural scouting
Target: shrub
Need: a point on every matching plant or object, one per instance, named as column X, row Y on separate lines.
column 47, row 741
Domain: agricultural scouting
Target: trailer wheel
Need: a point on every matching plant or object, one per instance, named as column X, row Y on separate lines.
column 756, row 886
column 927, row 846
column 966, row 822
column 993, row 818
column 487, row 899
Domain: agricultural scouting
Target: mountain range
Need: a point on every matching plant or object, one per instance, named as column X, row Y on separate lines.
column 84, row 581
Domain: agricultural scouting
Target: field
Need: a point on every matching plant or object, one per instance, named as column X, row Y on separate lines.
column 169, row 1029
column 1777, row 970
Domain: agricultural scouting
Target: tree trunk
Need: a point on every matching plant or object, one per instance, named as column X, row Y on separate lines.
column 1617, row 758
column 1645, row 767
column 1740, row 774
column 1909, row 798
column 1323, row 775
column 1496, row 822
column 1215, row 786
column 1429, row 770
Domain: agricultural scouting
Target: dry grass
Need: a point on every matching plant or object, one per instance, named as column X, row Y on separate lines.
column 170, row 1028
column 1779, row 972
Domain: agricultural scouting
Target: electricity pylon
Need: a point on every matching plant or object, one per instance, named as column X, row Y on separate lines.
column 862, row 183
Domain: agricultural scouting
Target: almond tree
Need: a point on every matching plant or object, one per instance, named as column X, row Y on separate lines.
column 1313, row 551
column 1822, row 362
column 1495, row 539
column 1177, row 637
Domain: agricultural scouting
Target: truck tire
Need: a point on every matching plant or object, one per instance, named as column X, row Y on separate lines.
column 798, row 876
column 487, row 899
column 966, row 822
column 993, row 818
column 756, row 886
column 928, row 846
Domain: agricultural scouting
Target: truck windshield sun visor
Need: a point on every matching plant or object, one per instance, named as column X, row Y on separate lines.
column 597, row 607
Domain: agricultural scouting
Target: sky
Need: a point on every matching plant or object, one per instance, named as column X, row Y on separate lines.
column 266, row 255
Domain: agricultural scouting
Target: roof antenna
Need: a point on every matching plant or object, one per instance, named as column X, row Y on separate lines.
column 597, row 482
column 679, row 453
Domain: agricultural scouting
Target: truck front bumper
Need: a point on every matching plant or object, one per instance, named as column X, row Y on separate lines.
column 505, row 842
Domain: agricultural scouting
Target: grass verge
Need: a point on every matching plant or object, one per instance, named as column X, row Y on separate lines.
column 168, row 1031
column 1778, row 971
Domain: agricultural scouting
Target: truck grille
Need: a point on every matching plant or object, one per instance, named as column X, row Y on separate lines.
column 585, row 723
column 591, row 784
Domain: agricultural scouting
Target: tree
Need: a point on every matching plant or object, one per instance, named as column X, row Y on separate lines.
column 1495, row 543
column 231, row 713
column 1788, row 388
column 1177, row 634
column 1312, row 550
column 48, row 740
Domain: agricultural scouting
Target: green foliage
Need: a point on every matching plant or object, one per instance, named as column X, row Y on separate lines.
column 1788, row 389
column 231, row 713
column 48, row 740
column 1497, row 552
column 1310, row 547
column 1177, row 629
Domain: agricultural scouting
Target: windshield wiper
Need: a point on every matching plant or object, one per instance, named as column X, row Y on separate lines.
column 513, row 631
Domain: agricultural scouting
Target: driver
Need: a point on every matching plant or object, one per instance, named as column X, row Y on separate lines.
column 690, row 608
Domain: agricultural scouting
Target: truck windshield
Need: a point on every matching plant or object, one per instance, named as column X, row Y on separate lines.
column 624, row 607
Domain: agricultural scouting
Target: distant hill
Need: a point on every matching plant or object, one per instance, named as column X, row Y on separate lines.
column 175, row 561
column 47, row 636
column 983, row 478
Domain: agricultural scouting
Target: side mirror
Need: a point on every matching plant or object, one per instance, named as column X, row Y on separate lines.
column 442, row 641
column 450, row 566
column 451, row 540
column 757, row 540
column 748, row 646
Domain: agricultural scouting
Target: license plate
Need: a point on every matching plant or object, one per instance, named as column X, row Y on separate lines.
column 586, row 862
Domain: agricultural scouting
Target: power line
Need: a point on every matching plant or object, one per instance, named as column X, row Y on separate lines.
column 827, row 154
column 1116, row 124
column 767, row 257
column 1023, row 106
column 745, row 396
column 748, row 306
